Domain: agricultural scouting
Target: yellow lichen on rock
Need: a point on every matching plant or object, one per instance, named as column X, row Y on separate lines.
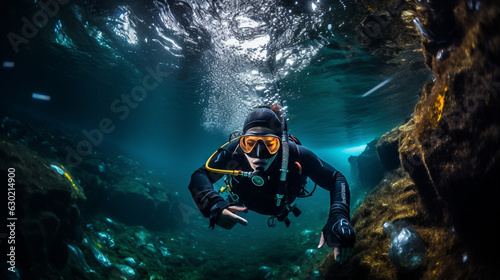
column 396, row 198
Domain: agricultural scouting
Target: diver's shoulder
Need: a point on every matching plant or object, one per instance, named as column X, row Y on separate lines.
column 301, row 150
column 231, row 149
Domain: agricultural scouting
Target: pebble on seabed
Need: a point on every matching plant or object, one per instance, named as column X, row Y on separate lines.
column 126, row 271
column 130, row 262
column 311, row 253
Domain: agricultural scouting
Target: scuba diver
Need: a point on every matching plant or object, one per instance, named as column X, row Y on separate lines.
column 266, row 169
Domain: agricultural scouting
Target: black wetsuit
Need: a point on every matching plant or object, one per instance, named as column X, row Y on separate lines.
column 263, row 199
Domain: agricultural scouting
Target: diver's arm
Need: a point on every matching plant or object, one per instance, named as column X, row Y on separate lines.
column 208, row 200
column 328, row 178
column 337, row 231
column 202, row 190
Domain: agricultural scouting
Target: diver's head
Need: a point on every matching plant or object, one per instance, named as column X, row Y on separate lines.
column 265, row 118
column 261, row 138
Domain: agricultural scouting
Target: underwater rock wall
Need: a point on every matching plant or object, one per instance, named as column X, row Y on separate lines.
column 381, row 155
column 57, row 204
column 451, row 148
column 113, row 184
column 447, row 186
column 396, row 198
column 151, row 206
column 369, row 168
column 383, row 27
column 46, row 211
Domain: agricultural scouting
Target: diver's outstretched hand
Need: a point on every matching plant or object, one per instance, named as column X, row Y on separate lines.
column 340, row 254
column 227, row 218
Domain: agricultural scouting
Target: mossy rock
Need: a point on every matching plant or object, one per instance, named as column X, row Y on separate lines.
column 47, row 208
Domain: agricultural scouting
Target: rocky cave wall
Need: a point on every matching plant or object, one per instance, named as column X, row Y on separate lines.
column 447, row 182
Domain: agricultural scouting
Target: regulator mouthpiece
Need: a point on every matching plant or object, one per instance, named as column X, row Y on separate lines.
column 258, row 177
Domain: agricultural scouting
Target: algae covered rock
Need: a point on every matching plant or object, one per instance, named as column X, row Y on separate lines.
column 451, row 150
column 133, row 203
column 396, row 198
column 383, row 28
column 47, row 210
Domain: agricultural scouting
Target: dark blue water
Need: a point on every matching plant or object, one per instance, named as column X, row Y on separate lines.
column 196, row 68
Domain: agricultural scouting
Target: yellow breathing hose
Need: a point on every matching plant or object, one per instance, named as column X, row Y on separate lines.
column 222, row 171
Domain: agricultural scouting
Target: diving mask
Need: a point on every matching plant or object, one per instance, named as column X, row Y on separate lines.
column 249, row 142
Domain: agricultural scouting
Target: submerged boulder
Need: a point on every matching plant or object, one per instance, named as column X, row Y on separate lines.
column 125, row 271
column 133, row 203
column 369, row 166
column 407, row 251
column 380, row 155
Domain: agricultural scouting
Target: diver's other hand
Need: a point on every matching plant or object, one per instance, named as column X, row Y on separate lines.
column 340, row 254
column 227, row 218
column 338, row 233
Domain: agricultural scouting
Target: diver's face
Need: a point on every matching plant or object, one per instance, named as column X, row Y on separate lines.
column 260, row 162
column 259, row 156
